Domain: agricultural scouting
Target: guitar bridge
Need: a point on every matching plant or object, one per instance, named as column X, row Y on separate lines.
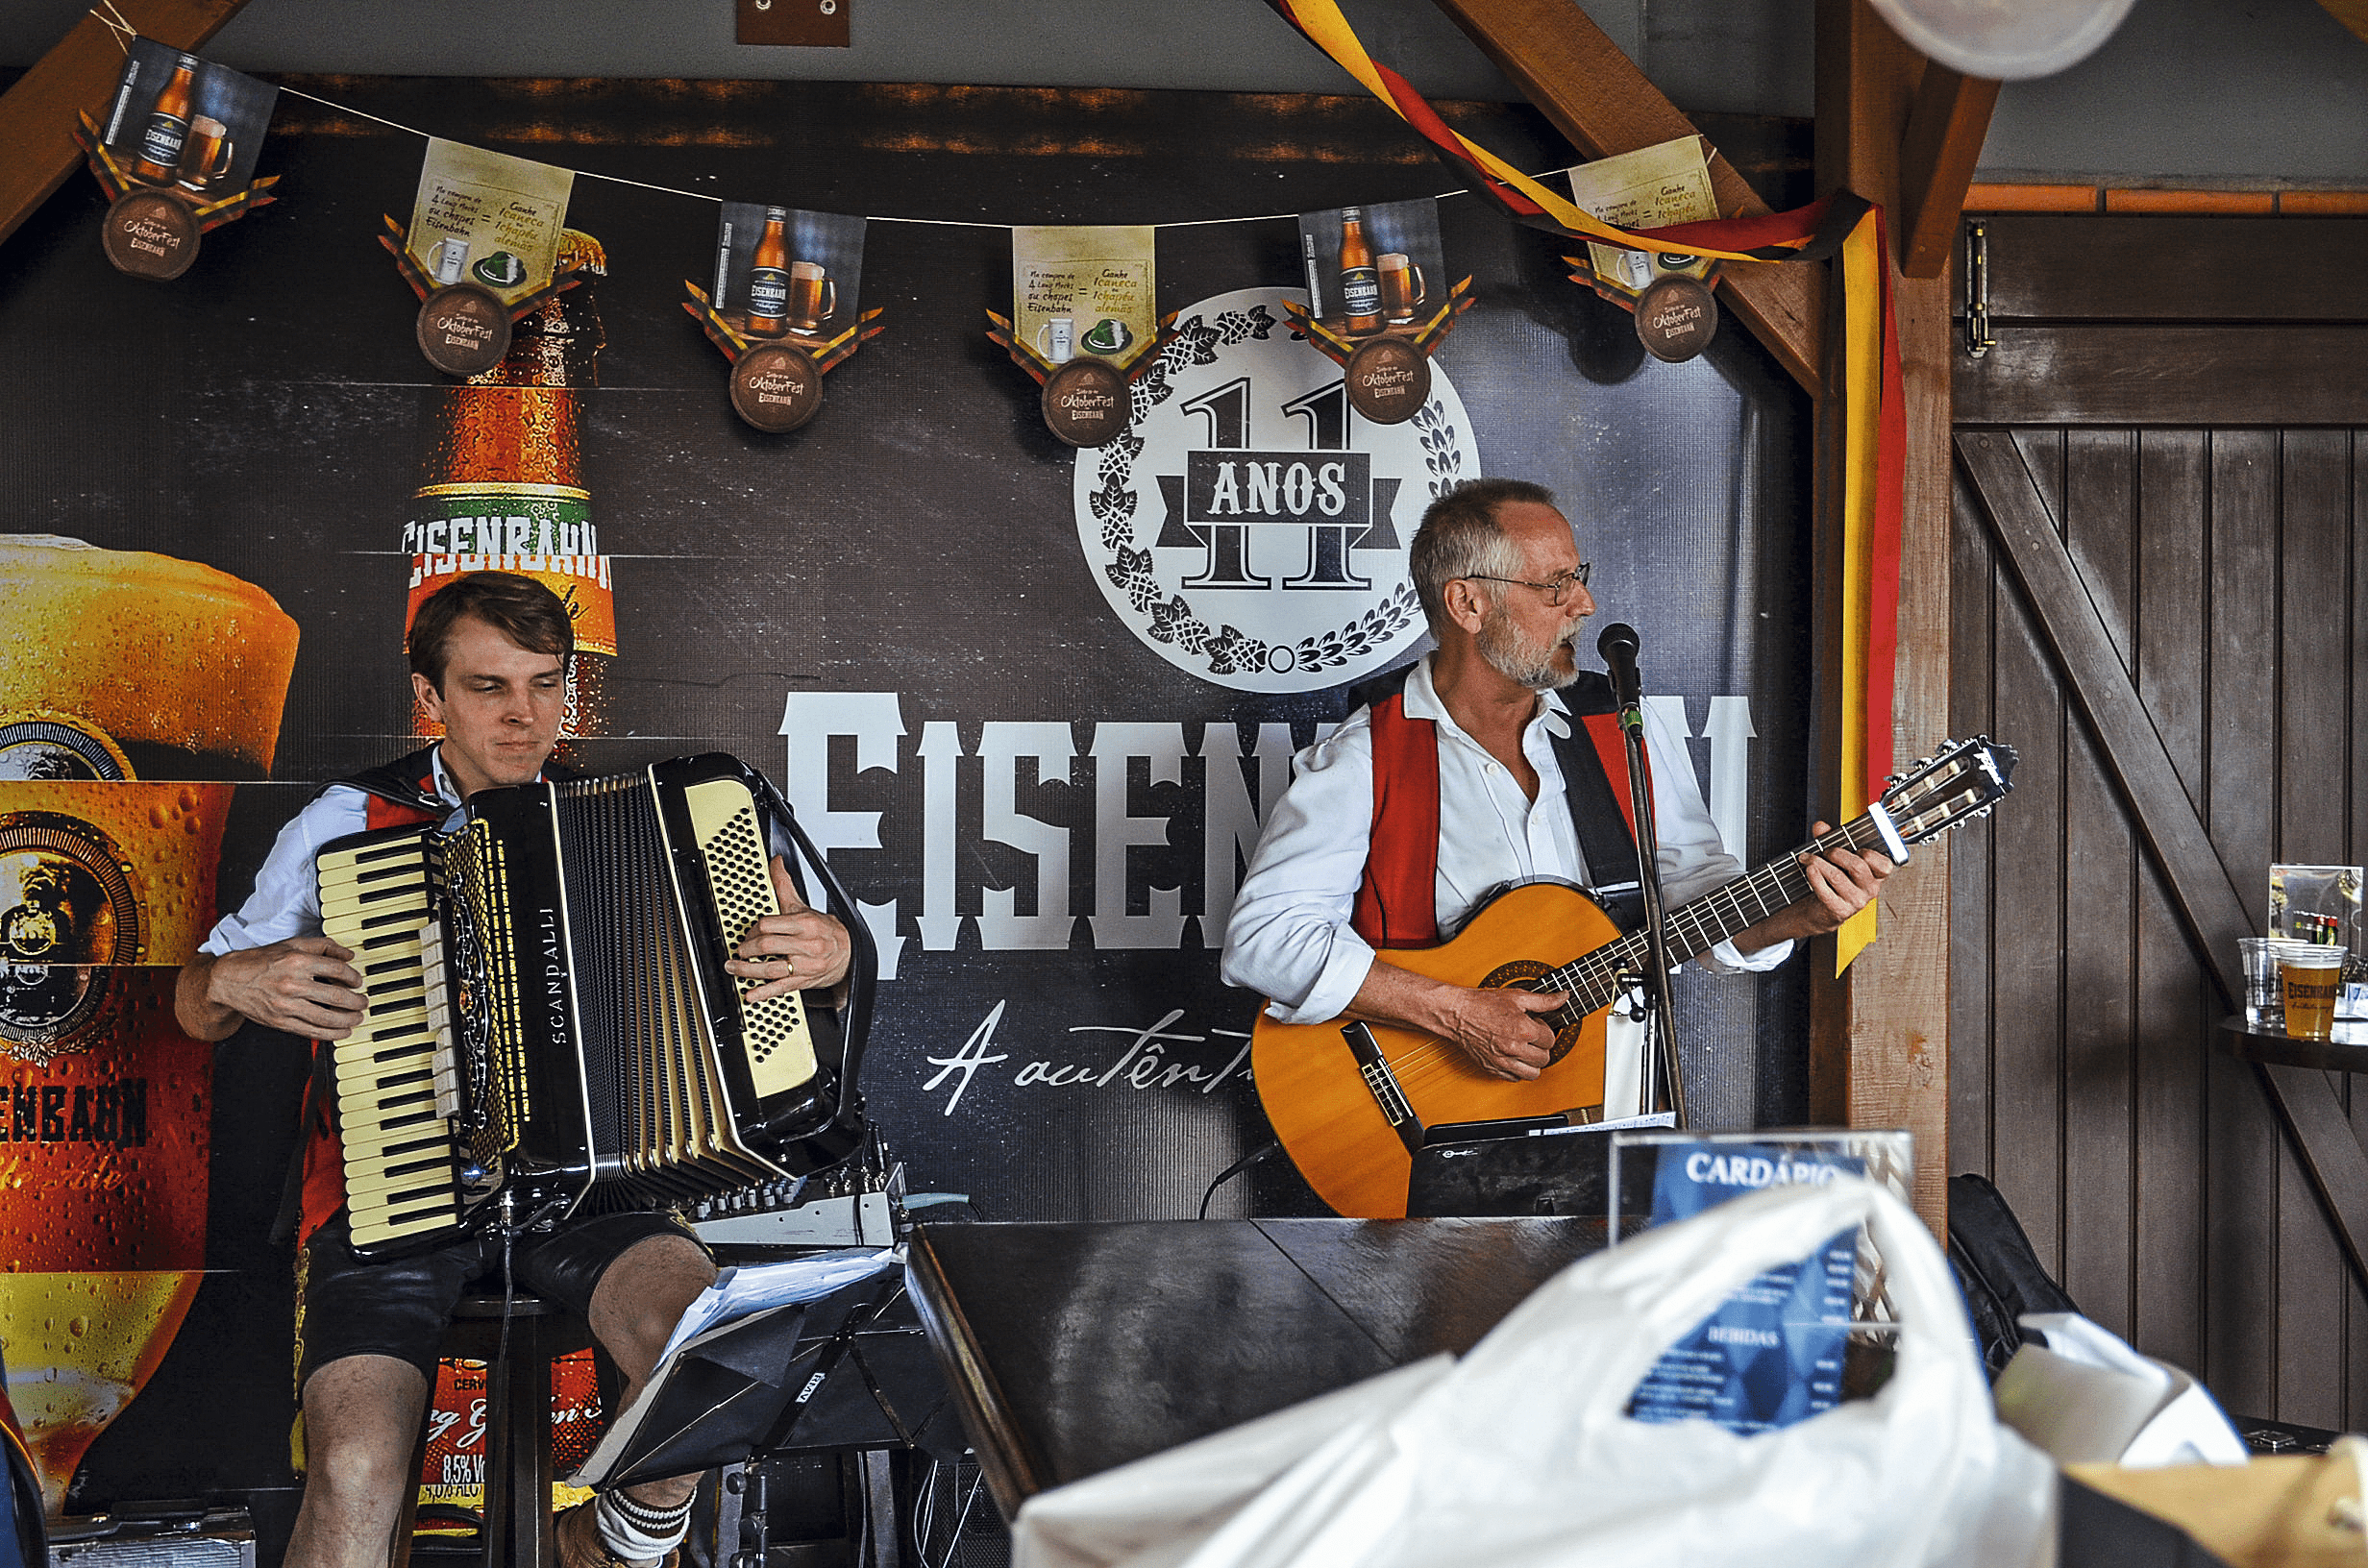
column 1382, row 1084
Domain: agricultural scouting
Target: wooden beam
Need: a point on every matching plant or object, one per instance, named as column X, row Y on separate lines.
column 1946, row 130
column 76, row 76
column 2099, row 684
column 1595, row 96
column 1879, row 1048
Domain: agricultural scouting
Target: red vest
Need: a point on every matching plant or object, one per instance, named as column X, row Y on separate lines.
column 1396, row 903
column 323, row 1179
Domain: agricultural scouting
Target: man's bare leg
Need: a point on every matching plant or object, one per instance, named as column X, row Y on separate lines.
column 361, row 1424
column 634, row 1309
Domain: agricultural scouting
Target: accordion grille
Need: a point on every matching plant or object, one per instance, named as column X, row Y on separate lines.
column 484, row 971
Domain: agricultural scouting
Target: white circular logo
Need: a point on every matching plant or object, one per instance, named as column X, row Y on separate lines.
column 1248, row 525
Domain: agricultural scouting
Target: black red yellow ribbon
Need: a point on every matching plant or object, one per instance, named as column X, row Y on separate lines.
column 1805, row 233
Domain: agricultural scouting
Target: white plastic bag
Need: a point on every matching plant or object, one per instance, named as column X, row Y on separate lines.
column 1520, row 1454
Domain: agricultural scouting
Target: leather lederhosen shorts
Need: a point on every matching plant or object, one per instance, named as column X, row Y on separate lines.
column 399, row 1307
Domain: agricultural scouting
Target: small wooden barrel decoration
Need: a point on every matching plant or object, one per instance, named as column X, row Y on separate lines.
column 1087, row 401
column 1389, row 379
column 1676, row 318
column 776, row 387
column 149, row 233
column 463, row 329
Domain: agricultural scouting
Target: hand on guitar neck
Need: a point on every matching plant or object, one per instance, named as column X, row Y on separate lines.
column 1502, row 1028
column 1841, row 882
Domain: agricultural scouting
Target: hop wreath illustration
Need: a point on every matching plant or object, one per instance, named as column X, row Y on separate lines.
column 1228, row 649
column 1439, row 453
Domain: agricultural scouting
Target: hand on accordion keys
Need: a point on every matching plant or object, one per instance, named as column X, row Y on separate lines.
column 799, row 949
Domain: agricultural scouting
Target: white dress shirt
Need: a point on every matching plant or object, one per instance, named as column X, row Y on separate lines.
column 287, row 900
column 1289, row 937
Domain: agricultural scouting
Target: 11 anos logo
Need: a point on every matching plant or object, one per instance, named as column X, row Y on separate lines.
column 1249, row 527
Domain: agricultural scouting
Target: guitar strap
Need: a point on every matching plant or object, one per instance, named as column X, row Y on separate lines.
column 1595, row 784
column 1396, row 899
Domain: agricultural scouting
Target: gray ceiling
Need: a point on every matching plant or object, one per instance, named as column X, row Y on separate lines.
column 2188, row 90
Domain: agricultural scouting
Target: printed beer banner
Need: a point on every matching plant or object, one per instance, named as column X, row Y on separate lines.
column 489, row 219
column 1652, row 188
column 185, row 124
column 1084, row 292
column 781, row 272
column 1374, row 269
column 176, row 157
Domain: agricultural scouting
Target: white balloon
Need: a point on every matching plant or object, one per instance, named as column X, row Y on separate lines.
column 2006, row 39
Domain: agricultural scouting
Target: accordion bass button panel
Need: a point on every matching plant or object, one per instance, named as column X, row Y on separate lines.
column 377, row 900
column 779, row 1044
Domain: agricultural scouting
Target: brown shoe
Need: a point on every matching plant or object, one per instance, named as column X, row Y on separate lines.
column 576, row 1535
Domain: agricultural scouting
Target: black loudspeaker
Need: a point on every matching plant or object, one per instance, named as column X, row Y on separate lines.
column 1516, row 1168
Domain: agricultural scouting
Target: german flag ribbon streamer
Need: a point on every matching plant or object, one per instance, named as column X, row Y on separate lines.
column 1875, row 437
column 1805, row 233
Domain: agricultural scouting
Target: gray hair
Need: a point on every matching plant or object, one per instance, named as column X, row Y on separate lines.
column 1459, row 538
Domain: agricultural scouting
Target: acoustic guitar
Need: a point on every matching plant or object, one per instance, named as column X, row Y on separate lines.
column 1350, row 1104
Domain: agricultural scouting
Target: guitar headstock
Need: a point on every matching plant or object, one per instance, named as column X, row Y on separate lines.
column 1962, row 781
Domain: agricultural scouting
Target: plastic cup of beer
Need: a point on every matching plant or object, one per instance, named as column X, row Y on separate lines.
column 2309, row 974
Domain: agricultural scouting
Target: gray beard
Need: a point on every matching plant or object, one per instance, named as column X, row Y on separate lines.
column 1522, row 662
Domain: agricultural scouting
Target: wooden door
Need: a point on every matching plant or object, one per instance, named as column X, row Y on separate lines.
column 2162, row 600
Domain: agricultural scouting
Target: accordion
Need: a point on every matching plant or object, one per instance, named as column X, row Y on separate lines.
column 549, row 1029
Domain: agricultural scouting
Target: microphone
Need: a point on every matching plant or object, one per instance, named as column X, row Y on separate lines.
column 1619, row 647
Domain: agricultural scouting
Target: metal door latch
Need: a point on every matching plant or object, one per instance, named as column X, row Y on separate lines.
column 1978, row 340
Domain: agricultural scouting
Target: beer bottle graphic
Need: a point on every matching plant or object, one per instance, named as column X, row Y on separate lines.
column 1360, row 280
column 159, row 162
column 769, row 278
column 502, row 483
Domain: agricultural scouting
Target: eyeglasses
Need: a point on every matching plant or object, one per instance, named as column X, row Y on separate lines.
column 1555, row 589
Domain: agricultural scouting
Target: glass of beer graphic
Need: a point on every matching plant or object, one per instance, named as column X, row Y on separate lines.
column 813, row 297
column 207, row 156
column 2309, row 974
column 131, row 687
column 1402, row 287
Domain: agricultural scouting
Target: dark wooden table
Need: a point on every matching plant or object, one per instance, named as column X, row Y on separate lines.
column 1075, row 1348
column 2340, row 1055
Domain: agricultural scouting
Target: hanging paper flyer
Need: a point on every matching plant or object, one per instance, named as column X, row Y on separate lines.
column 1374, row 269
column 1652, row 187
column 781, row 272
column 182, row 123
column 489, row 219
column 1084, row 291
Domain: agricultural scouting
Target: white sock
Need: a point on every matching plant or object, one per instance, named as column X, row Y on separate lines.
column 638, row 1532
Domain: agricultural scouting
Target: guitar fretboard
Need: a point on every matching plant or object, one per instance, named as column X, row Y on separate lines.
column 1593, row 980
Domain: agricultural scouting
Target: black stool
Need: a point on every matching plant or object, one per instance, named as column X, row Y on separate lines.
column 517, row 1502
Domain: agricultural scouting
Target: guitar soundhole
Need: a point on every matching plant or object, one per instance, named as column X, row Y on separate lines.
column 1525, row 973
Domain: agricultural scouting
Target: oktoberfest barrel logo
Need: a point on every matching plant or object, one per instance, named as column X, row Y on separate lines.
column 1249, row 525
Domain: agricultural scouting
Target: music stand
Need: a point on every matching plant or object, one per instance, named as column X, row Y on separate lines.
column 848, row 1370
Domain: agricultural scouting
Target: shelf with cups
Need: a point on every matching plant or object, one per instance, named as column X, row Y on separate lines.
column 2345, row 1051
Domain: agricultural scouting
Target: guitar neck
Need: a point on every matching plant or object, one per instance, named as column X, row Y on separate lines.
column 1594, row 979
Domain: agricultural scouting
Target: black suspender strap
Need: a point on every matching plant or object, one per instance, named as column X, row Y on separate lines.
column 1596, row 814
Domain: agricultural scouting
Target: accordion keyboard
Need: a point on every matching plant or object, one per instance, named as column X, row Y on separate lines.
column 394, row 1072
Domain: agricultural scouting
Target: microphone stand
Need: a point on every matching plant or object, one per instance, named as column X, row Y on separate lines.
column 1660, row 1052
